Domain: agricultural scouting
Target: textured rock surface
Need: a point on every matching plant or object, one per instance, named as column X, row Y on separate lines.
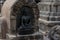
column 3, row 27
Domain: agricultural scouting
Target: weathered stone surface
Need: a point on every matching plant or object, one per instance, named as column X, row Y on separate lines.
column 11, row 8
column 6, row 11
column 55, row 31
column 3, row 27
column 49, row 14
column 34, row 36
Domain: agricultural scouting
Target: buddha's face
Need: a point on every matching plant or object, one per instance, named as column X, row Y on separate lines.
column 56, row 36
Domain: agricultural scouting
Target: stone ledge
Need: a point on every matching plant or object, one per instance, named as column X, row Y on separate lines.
column 32, row 36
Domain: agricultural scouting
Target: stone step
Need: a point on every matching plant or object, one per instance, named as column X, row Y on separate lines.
column 35, row 36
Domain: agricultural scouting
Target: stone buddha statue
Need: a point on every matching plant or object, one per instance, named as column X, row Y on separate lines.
column 26, row 25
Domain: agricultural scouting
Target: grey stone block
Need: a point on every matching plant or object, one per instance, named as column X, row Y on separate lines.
column 58, row 8
column 53, row 9
column 43, row 7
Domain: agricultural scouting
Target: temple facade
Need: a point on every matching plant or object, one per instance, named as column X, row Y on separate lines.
column 19, row 17
column 49, row 14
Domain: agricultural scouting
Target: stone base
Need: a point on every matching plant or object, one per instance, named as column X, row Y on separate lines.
column 35, row 36
column 10, row 36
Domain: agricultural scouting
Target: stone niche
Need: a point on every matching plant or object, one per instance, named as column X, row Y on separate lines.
column 17, row 12
column 12, row 11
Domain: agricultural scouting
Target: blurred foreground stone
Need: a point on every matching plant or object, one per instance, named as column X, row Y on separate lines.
column 3, row 27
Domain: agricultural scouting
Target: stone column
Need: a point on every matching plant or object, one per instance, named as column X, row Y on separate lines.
column 3, row 27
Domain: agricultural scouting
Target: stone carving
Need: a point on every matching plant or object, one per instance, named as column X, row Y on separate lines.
column 30, row 10
column 54, row 33
column 26, row 18
column 15, row 14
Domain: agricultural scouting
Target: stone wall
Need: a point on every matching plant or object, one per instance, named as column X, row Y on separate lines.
column 49, row 13
column 3, row 28
column 1, row 3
